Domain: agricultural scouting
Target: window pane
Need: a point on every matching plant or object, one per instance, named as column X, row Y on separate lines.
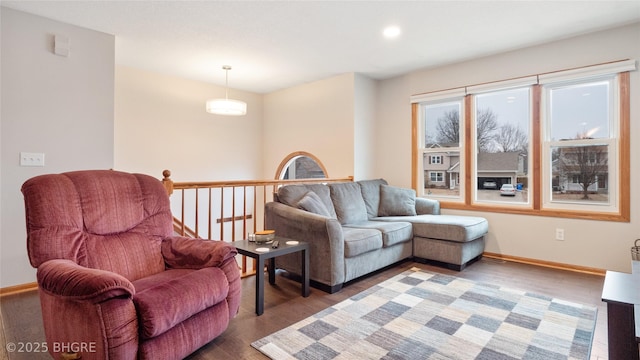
column 580, row 111
column 303, row 167
column 442, row 125
column 441, row 148
column 502, row 143
column 580, row 173
column 442, row 173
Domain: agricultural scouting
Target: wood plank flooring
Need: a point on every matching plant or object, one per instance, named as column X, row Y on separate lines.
column 21, row 315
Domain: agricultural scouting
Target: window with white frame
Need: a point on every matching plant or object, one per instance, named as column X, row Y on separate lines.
column 435, row 159
column 570, row 131
column 436, row 176
column 580, row 144
column 502, row 126
column 440, row 147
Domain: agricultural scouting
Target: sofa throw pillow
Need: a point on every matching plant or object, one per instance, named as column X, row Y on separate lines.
column 311, row 202
column 395, row 201
column 292, row 194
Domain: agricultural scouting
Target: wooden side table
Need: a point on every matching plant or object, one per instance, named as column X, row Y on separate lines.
column 252, row 250
column 621, row 292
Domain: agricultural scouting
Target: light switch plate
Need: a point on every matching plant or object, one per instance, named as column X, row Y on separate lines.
column 31, row 159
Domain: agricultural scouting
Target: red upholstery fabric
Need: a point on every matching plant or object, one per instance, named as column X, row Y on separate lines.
column 81, row 283
column 97, row 238
column 185, row 253
column 97, row 219
column 196, row 289
column 191, row 334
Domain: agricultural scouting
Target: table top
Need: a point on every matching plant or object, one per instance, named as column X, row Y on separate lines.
column 621, row 288
column 286, row 246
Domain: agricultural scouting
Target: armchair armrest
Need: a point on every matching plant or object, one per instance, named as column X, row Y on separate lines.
column 427, row 206
column 186, row 253
column 65, row 278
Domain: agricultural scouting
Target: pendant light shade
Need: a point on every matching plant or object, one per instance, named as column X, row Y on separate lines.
column 226, row 106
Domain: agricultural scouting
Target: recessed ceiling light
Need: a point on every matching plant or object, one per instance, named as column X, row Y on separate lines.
column 391, row 32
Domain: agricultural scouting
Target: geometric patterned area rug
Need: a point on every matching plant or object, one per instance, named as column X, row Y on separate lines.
column 424, row 315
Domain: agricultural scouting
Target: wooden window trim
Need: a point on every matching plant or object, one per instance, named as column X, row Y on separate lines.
column 624, row 170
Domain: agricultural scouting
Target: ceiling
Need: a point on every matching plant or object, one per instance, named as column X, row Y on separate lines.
column 273, row 45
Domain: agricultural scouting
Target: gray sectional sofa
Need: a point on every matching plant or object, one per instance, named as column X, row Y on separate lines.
column 355, row 228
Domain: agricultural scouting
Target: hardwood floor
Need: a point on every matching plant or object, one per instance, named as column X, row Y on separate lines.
column 21, row 316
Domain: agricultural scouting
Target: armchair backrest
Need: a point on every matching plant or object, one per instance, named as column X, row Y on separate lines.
column 101, row 219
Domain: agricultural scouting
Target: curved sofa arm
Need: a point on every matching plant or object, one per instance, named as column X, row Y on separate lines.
column 187, row 253
column 427, row 206
column 66, row 279
column 324, row 235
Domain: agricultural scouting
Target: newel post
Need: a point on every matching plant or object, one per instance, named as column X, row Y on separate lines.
column 167, row 182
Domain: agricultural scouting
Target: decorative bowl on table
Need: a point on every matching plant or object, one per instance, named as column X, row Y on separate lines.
column 265, row 236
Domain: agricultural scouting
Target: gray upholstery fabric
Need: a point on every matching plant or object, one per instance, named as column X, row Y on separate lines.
column 348, row 202
column 324, row 235
column 427, row 206
column 311, row 202
column 395, row 201
column 292, row 194
column 392, row 232
column 366, row 263
column 450, row 252
column 358, row 241
column 449, row 227
column 371, row 195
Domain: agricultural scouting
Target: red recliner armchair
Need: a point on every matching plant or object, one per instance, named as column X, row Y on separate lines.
column 114, row 283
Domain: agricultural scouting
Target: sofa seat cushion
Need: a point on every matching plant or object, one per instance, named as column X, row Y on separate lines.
column 358, row 241
column 196, row 289
column 445, row 227
column 393, row 232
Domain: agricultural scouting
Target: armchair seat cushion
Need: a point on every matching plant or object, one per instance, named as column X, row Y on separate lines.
column 168, row 298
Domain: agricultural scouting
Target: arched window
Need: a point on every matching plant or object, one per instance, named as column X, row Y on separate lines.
column 301, row 165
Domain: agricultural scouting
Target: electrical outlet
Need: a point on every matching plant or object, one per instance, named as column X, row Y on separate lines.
column 31, row 159
column 560, row 234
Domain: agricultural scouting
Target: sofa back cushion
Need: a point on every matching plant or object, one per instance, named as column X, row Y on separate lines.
column 371, row 195
column 348, row 202
column 292, row 195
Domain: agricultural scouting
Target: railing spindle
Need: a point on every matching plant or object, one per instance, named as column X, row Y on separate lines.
column 256, row 214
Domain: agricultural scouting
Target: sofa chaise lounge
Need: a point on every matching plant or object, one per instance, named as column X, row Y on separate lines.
column 355, row 228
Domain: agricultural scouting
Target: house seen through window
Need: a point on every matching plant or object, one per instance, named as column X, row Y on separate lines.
column 560, row 139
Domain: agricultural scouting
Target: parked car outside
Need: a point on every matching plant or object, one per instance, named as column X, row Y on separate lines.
column 507, row 190
column 489, row 184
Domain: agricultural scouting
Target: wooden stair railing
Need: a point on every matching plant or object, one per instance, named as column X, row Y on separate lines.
column 225, row 210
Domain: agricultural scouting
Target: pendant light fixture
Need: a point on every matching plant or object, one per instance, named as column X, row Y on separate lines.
column 226, row 106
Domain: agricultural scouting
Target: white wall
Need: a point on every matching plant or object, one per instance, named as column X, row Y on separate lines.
column 597, row 244
column 59, row 106
column 161, row 123
column 365, row 140
column 318, row 118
